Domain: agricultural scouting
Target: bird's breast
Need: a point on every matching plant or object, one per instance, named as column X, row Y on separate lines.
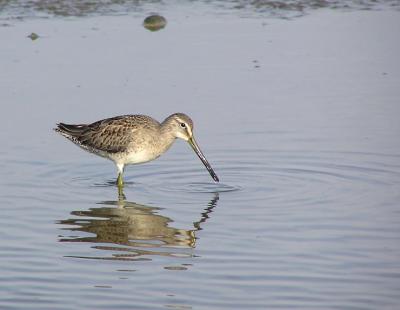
column 146, row 151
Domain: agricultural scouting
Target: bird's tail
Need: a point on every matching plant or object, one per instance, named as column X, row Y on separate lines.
column 70, row 131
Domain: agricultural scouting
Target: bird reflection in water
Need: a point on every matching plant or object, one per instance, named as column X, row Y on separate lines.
column 133, row 231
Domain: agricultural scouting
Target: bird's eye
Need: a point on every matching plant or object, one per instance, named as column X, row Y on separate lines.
column 183, row 125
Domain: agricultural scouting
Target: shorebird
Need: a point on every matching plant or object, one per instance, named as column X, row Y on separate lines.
column 133, row 139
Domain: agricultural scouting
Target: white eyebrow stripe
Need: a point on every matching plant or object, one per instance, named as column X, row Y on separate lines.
column 189, row 130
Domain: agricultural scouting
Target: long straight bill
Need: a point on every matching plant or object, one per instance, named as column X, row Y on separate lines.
column 203, row 159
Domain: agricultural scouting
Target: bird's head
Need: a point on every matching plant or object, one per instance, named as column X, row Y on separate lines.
column 181, row 126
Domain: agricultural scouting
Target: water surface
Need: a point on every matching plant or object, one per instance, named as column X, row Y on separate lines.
column 299, row 118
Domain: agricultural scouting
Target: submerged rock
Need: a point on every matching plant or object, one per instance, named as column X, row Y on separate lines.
column 154, row 22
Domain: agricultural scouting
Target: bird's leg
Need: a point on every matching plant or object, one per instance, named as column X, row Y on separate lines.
column 120, row 185
column 121, row 195
column 120, row 181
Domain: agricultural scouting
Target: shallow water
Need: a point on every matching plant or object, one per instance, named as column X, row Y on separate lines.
column 299, row 118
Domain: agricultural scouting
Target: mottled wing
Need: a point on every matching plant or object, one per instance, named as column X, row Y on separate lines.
column 112, row 135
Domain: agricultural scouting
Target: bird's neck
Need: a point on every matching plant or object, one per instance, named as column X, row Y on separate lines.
column 166, row 137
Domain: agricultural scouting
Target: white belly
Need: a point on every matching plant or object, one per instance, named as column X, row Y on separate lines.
column 139, row 157
column 132, row 158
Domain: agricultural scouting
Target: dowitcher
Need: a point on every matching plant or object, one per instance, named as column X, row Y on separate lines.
column 133, row 139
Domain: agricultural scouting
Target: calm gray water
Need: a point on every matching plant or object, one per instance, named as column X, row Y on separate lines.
column 299, row 118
